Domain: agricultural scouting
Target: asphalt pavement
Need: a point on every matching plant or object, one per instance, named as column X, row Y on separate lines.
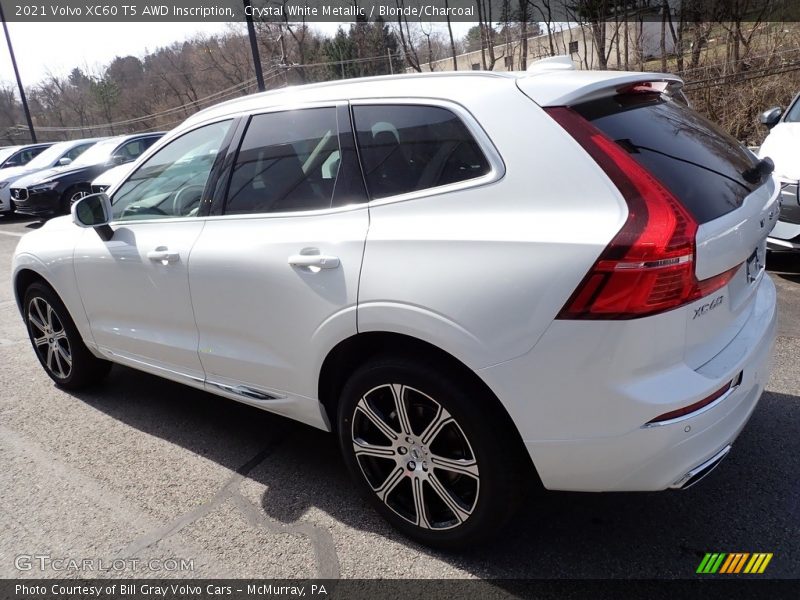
column 141, row 469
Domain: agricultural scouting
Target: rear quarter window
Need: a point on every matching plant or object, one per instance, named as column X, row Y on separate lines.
column 695, row 159
column 408, row 148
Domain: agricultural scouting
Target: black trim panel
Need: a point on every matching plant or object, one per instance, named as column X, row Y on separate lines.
column 217, row 185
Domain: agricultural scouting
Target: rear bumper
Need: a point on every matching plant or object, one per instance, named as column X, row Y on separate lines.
column 592, row 435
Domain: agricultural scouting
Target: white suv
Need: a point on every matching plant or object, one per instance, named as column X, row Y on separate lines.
column 473, row 279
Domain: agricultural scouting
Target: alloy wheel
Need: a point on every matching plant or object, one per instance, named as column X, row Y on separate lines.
column 50, row 337
column 77, row 196
column 415, row 457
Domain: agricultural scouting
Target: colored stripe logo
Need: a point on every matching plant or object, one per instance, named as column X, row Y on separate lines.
column 734, row 563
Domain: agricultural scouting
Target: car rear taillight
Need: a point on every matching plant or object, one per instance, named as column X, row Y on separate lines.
column 648, row 267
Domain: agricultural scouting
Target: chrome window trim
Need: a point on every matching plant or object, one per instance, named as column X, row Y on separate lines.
column 248, row 115
column 497, row 168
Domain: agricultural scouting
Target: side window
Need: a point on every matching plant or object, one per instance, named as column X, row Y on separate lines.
column 288, row 161
column 28, row 155
column 19, row 158
column 149, row 142
column 131, row 150
column 77, row 151
column 406, row 148
column 171, row 182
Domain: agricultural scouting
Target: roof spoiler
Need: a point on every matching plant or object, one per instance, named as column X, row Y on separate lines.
column 563, row 87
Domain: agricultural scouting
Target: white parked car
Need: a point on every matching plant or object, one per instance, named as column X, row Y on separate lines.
column 473, row 279
column 782, row 146
column 57, row 155
column 105, row 180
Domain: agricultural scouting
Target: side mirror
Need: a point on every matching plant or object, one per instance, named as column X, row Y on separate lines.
column 771, row 117
column 63, row 162
column 94, row 211
column 118, row 159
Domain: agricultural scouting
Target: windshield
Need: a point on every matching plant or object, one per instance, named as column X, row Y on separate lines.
column 97, row 154
column 793, row 114
column 6, row 152
column 49, row 156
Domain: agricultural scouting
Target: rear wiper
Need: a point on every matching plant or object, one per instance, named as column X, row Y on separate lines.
column 759, row 171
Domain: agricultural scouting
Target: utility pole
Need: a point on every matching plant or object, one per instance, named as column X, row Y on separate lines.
column 251, row 31
column 19, row 81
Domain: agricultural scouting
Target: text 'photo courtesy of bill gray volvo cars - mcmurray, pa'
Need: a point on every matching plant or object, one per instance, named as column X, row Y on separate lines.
column 476, row 281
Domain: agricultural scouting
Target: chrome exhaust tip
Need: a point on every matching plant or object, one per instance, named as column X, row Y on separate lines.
column 700, row 471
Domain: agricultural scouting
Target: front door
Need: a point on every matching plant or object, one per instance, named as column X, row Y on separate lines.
column 135, row 286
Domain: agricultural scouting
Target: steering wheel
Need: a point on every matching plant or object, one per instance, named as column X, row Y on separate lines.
column 185, row 198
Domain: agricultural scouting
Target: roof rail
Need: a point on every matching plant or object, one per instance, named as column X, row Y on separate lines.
column 561, row 62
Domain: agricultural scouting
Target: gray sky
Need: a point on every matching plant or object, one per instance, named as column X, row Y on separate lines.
column 59, row 47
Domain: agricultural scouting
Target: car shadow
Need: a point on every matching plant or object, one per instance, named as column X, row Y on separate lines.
column 18, row 218
column 750, row 504
column 785, row 265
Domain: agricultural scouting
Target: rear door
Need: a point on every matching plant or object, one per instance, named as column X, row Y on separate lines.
column 712, row 175
column 274, row 275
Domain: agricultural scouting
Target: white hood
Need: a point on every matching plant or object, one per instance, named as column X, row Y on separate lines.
column 783, row 147
column 112, row 176
column 12, row 173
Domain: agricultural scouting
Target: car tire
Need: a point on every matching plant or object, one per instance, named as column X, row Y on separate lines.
column 73, row 194
column 57, row 342
column 445, row 471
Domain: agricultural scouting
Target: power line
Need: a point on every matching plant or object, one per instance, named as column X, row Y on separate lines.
column 218, row 96
column 223, row 94
column 227, row 92
column 723, row 63
column 743, row 76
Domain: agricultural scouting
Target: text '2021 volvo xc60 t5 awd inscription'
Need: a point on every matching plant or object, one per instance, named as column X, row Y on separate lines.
column 475, row 280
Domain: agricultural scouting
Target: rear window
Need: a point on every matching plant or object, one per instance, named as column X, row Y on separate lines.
column 699, row 163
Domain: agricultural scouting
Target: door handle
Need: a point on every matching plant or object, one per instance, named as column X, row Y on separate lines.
column 163, row 255
column 321, row 261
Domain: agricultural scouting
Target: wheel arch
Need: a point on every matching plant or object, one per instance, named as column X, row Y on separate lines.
column 29, row 270
column 342, row 360
column 23, row 279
